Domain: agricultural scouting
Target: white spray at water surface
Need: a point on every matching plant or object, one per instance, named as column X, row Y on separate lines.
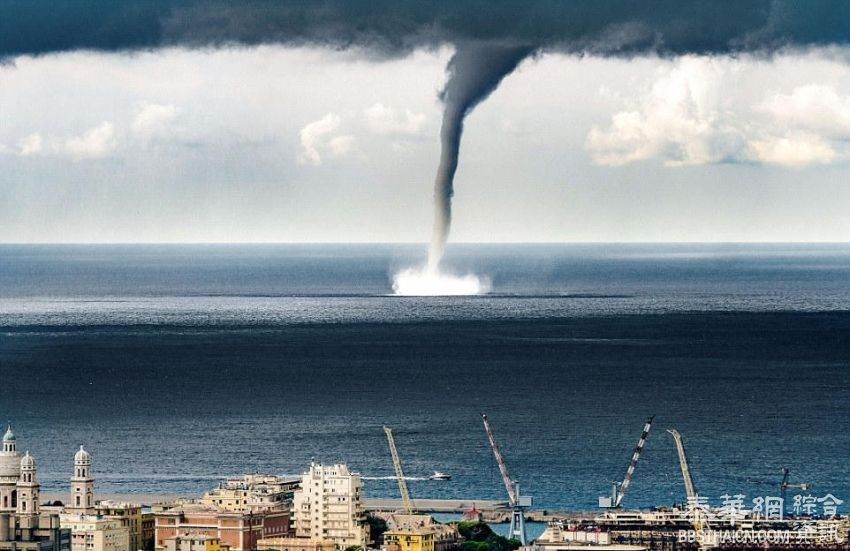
column 425, row 283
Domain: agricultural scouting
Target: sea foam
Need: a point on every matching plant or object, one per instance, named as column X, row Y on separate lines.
column 423, row 282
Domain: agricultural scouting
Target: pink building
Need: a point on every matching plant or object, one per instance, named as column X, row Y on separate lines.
column 239, row 531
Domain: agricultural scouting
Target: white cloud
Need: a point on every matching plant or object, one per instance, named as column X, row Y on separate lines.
column 796, row 151
column 32, row 144
column 153, row 118
column 95, row 143
column 627, row 140
column 387, row 120
column 680, row 118
column 319, row 137
column 812, row 107
column 689, row 116
column 341, row 146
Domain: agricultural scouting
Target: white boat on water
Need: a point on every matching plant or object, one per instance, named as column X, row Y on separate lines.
column 440, row 476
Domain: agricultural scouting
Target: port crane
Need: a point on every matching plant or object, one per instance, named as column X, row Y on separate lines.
column 399, row 473
column 517, row 502
column 683, row 463
column 618, row 490
column 704, row 540
column 783, row 488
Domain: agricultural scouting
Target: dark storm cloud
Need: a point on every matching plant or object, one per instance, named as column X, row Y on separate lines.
column 393, row 27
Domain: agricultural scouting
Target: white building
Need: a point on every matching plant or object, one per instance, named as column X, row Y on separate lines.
column 93, row 533
column 19, row 487
column 23, row 527
column 327, row 506
column 89, row 530
column 252, row 493
column 133, row 517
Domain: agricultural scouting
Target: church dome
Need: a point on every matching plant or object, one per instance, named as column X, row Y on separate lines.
column 28, row 462
column 82, row 456
column 10, row 460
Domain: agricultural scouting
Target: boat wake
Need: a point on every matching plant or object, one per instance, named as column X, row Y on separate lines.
column 412, row 478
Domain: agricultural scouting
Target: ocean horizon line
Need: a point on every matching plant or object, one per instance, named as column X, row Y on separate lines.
column 410, row 243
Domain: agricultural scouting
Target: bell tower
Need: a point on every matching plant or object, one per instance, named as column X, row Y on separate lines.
column 28, row 487
column 82, row 485
column 10, row 462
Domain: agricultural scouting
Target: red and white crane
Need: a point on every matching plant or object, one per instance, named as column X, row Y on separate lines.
column 619, row 488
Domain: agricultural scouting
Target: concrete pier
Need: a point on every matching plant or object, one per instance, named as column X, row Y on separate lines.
column 491, row 511
column 436, row 505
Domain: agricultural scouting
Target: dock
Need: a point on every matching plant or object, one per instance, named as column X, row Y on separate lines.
column 436, row 505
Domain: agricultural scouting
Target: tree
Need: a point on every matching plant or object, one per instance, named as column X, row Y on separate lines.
column 480, row 537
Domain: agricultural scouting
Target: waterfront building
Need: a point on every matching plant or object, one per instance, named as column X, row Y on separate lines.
column 148, row 530
column 131, row 515
column 408, row 539
column 237, row 530
column 93, row 533
column 194, row 542
column 252, row 493
column 419, row 533
column 328, row 506
column 295, row 544
column 161, row 506
column 23, row 526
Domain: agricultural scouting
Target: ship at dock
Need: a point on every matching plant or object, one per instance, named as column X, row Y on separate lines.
column 674, row 529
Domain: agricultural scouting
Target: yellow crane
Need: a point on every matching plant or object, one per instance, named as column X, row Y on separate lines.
column 683, row 463
column 693, row 505
column 399, row 473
